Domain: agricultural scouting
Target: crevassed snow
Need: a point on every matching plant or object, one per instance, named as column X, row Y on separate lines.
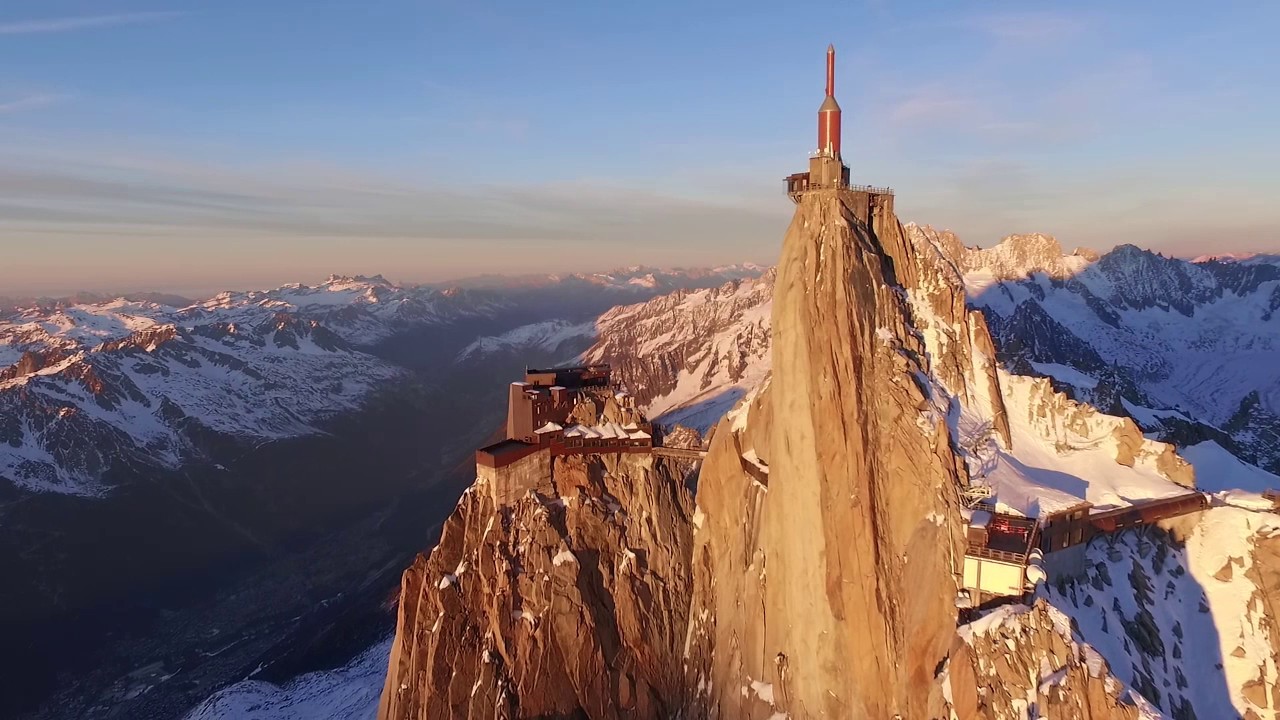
column 1218, row 470
column 1053, row 466
column 1066, row 374
column 347, row 693
column 1200, row 605
column 547, row 335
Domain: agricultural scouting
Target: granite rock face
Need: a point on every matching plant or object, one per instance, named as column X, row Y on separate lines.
column 1026, row 659
column 824, row 585
column 564, row 605
column 815, row 576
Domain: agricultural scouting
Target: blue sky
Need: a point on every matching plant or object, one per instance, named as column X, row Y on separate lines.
column 194, row 146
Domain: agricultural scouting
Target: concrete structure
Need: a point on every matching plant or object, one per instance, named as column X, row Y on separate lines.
column 996, row 554
column 549, row 396
column 512, row 468
column 541, row 414
column 1001, row 547
column 827, row 170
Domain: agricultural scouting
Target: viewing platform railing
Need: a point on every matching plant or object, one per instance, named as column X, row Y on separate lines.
column 988, row 553
column 871, row 189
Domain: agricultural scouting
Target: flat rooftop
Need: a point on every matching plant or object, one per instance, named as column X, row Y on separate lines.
column 506, row 447
column 569, row 369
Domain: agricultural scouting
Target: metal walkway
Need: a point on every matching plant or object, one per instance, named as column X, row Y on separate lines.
column 680, row 453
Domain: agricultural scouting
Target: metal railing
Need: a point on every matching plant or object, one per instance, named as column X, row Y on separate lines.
column 980, row 551
column 682, row 453
column 869, row 189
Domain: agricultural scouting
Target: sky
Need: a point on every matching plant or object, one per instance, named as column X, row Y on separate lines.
column 186, row 146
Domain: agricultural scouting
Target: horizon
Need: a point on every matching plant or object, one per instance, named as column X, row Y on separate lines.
column 198, row 295
column 173, row 147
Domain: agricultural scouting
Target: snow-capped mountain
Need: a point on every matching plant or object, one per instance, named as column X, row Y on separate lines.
column 149, row 448
column 901, row 373
column 687, row 357
column 92, row 388
column 72, row 416
column 363, row 310
column 88, row 386
column 1189, row 350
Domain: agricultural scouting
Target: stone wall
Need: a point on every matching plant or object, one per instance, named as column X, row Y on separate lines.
column 510, row 483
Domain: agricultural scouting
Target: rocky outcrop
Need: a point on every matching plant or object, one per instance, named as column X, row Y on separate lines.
column 565, row 605
column 1263, row 690
column 1024, row 661
column 826, row 545
column 816, row 576
column 958, row 340
column 985, row 388
column 703, row 339
column 1070, row 425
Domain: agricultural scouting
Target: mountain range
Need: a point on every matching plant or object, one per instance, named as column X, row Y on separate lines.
column 917, row 340
column 1058, row 376
column 154, row 457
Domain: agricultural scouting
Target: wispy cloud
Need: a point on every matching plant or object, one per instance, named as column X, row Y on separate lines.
column 1029, row 27
column 933, row 105
column 226, row 215
column 83, row 22
column 30, row 102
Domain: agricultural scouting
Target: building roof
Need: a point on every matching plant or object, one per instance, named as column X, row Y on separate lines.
column 506, row 447
column 569, row 369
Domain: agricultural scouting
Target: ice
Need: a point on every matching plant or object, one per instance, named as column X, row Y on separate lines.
column 547, row 336
column 1066, row 374
column 1218, row 470
column 347, row 693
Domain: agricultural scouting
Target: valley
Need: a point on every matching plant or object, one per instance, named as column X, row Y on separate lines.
column 275, row 549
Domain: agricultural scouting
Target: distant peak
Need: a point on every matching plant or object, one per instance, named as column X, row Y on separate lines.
column 1038, row 242
column 336, row 279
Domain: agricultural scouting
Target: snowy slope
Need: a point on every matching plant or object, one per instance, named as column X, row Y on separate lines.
column 1180, row 622
column 689, row 356
column 1137, row 333
column 347, row 693
column 547, row 335
column 1064, row 453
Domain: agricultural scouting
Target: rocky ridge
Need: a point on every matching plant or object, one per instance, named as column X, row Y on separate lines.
column 1187, row 349
column 843, row 464
column 91, row 390
column 1026, row 661
column 698, row 350
column 874, row 500
column 560, row 605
